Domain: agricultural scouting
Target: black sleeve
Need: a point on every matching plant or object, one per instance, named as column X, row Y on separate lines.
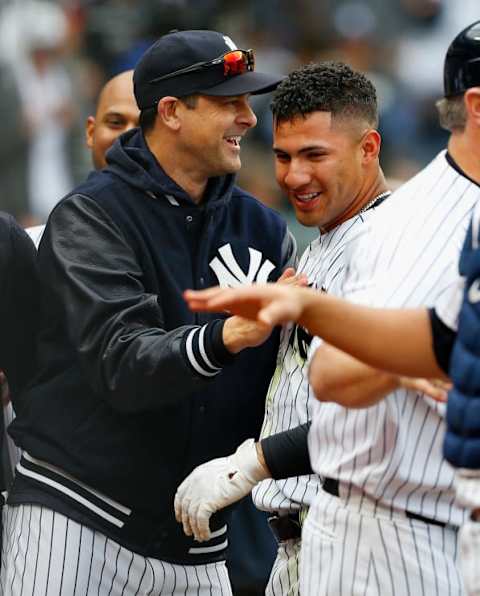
column 443, row 340
column 286, row 453
column 19, row 304
column 115, row 326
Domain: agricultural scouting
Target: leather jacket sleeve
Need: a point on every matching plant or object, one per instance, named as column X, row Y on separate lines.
column 94, row 284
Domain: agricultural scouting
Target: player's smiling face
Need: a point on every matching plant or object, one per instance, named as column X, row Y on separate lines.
column 212, row 132
column 318, row 163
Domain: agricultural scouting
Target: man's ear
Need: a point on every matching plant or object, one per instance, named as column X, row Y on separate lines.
column 371, row 143
column 472, row 104
column 169, row 112
column 90, row 131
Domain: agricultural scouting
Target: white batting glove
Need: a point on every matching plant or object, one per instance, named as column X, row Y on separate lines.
column 214, row 485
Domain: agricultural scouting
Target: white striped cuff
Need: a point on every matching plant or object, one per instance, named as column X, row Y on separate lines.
column 197, row 353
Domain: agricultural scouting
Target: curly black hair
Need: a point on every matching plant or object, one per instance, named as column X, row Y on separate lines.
column 327, row 87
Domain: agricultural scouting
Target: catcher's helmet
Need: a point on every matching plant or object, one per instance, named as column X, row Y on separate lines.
column 462, row 62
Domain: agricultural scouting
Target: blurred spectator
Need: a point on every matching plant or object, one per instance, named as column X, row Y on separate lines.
column 399, row 43
column 35, row 31
column 13, row 149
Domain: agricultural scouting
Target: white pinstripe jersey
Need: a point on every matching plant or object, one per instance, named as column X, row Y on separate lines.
column 449, row 304
column 288, row 402
column 408, row 257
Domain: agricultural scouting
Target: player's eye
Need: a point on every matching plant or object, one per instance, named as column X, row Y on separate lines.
column 314, row 155
column 115, row 122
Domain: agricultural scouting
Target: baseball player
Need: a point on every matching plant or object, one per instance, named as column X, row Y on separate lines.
column 387, row 518
column 126, row 371
column 326, row 153
column 427, row 485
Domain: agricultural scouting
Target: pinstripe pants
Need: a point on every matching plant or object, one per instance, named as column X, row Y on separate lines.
column 346, row 553
column 47, row 554
column 284, row 578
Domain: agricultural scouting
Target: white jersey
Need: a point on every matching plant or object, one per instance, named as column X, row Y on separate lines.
column 288, row 402
column 449, row 304
column 392, row 452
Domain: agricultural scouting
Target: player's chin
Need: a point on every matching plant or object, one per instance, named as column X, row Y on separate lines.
column 309, row 219
column 234, row 164
column 229, row 165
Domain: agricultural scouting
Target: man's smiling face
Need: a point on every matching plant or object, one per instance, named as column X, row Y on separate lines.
column 318, row 163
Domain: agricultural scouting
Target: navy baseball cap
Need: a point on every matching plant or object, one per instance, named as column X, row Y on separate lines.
column 207, row 62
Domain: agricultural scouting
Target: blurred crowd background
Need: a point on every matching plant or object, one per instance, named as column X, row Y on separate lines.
column 56, row 54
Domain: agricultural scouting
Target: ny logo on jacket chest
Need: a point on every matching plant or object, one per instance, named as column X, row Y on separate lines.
column 230, row 274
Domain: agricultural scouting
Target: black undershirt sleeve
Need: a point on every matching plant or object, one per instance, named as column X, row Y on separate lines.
column 286, row 453
column 443, row 340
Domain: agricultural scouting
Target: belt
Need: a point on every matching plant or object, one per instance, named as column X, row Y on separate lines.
column 330, row 486
column 285, row 527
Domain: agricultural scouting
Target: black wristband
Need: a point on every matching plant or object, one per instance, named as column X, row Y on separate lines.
column 286, row 453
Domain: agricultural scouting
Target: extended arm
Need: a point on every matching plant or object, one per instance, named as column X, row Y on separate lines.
column 338, row 377
column 395, row 340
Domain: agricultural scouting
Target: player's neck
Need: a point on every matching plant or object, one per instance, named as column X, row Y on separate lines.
column 366, row 197
column 463, row 147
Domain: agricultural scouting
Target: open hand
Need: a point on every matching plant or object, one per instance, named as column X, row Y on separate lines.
column 270, row 304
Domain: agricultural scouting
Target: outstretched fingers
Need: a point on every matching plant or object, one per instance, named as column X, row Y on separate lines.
column 242, row 301
column 271, row 304
column 200, row 300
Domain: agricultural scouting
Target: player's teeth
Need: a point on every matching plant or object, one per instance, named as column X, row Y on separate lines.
column 307, row 197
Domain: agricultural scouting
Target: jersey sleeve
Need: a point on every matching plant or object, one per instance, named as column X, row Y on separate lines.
column 443, row 339
column 116, row 327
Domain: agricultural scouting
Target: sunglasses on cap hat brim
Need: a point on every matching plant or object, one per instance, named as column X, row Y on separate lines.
column 233, row 63
column 232, row 73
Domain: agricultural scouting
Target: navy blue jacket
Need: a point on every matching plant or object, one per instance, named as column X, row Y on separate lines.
column 133, row 390
column 462, row 440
